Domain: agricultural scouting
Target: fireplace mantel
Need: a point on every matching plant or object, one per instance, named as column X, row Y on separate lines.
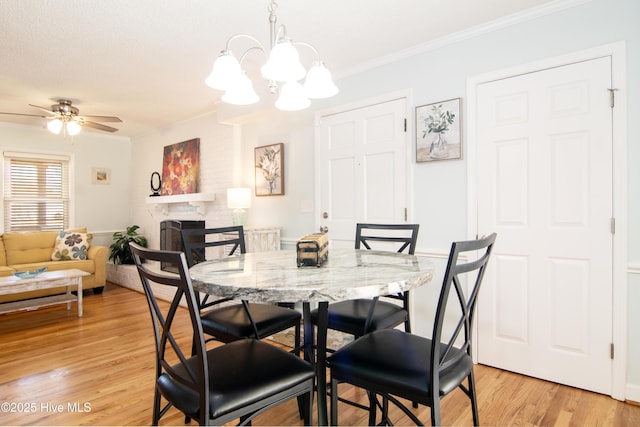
column 197, row 200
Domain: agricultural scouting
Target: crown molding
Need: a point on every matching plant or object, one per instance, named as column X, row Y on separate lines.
column 497, row 24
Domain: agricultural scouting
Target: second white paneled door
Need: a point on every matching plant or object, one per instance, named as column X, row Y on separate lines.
column 362, row 164
column 545, row 186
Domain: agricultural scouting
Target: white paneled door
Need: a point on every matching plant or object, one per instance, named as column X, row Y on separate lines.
column 362, row 169
column 545, row 186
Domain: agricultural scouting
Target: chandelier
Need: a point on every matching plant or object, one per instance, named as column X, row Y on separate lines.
column 282, row 67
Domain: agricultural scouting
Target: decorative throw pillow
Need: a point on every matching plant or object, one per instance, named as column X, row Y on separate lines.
column 70, row 246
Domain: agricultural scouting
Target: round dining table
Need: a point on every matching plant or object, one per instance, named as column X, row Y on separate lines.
column 275, row 277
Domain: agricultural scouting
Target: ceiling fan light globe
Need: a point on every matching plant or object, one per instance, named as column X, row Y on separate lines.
column 292, row 97
column 73, row 128
column 55, row 126
column 318, row 83
column 283, row 64
column 225, row 70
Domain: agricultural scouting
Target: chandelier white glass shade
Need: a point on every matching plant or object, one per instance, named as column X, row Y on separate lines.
column 70, row 125
column 240, row 91
column 283, row 67
column 292, row 97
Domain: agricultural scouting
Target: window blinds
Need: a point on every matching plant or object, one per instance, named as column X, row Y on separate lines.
column 36, row 192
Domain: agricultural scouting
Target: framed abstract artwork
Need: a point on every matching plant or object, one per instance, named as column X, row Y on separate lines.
column 269, row 166
column 180, row 167
column 438, row 131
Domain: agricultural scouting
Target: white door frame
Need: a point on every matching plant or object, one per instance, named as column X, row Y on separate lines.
column 617, row 51
column 403, row 94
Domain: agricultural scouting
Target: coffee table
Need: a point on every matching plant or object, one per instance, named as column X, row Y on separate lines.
column 71, row 278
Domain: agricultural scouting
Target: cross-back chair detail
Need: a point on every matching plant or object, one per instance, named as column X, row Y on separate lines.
column 360, row 316
column 406, row 243
column 427, row 369
column 221, row 384
column 196, row 241
column 233, row 321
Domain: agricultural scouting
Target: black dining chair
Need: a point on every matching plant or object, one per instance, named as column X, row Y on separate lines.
column 396, row 364
column 238, row 380
column 236, row 320
column 361, row 316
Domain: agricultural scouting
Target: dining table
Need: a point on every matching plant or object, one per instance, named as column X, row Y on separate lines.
column 275, row 277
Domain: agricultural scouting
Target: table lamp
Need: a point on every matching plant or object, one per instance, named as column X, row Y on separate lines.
column 239, row 199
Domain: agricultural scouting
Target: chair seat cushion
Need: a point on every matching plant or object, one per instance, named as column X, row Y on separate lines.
column 397, row 363
column 233, row 321
column 240, row 374
column 350, row 316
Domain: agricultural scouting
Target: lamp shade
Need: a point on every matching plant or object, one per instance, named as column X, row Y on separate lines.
column 239, row 198
column 318, row 83
column 226, row 68
column 73, row 128
column 55, row 126
column 292, row 97
column 241, row 91
column 283, row 64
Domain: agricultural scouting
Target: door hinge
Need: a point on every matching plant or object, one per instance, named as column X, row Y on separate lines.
column 405, row 124
column 613, row 226
column 406, row 214
column 612, row 97
column 611, row 351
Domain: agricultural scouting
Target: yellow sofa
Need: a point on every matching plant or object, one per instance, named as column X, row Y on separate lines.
column 24, row 251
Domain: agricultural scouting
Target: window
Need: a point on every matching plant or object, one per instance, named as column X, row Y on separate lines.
column 36, row 192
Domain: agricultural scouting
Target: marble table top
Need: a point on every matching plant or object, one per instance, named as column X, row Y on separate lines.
column 275, row 277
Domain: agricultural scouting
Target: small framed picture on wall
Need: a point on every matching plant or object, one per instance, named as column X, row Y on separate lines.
column 269, row 167
column 101, row 176
column 438, row 131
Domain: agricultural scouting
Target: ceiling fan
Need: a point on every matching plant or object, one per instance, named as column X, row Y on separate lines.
column 63, row 114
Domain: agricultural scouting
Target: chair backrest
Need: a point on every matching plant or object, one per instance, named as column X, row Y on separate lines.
column 389, row 237
column 195, row 241
column 172, row 352
column 450, row 346
column 401, row 236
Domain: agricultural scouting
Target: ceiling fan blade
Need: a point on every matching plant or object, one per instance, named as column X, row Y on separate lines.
column 48, row 110
column 101, row 118
column 30, row 115
column 98, row 126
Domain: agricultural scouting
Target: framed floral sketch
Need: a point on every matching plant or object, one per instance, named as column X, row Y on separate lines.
column 180, row 165
column 438, row 131
column 101, row 176
column 269, row 166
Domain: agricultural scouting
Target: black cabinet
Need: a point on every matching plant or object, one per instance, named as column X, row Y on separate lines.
column 171, row 239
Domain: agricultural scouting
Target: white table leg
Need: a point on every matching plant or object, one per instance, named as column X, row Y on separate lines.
column 68, row 295
column 79, row 281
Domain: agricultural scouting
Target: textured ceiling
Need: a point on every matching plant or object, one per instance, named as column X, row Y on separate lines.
column 145, row 60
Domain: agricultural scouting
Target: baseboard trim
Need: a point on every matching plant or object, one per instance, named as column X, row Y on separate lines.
column 632, row 394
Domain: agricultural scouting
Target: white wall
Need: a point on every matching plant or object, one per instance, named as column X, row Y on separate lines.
column 98, row 207
column 218, row 166
column 441, row 188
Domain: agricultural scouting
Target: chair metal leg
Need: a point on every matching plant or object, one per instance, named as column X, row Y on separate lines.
column 435, row 412
column 373, row 408
column 308, row 415
column 472, row 397
column 156, row 407
column 334, row 402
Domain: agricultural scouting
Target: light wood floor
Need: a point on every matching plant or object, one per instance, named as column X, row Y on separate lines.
column 58, row 369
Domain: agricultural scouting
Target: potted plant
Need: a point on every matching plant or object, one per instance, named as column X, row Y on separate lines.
column 120, row 251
